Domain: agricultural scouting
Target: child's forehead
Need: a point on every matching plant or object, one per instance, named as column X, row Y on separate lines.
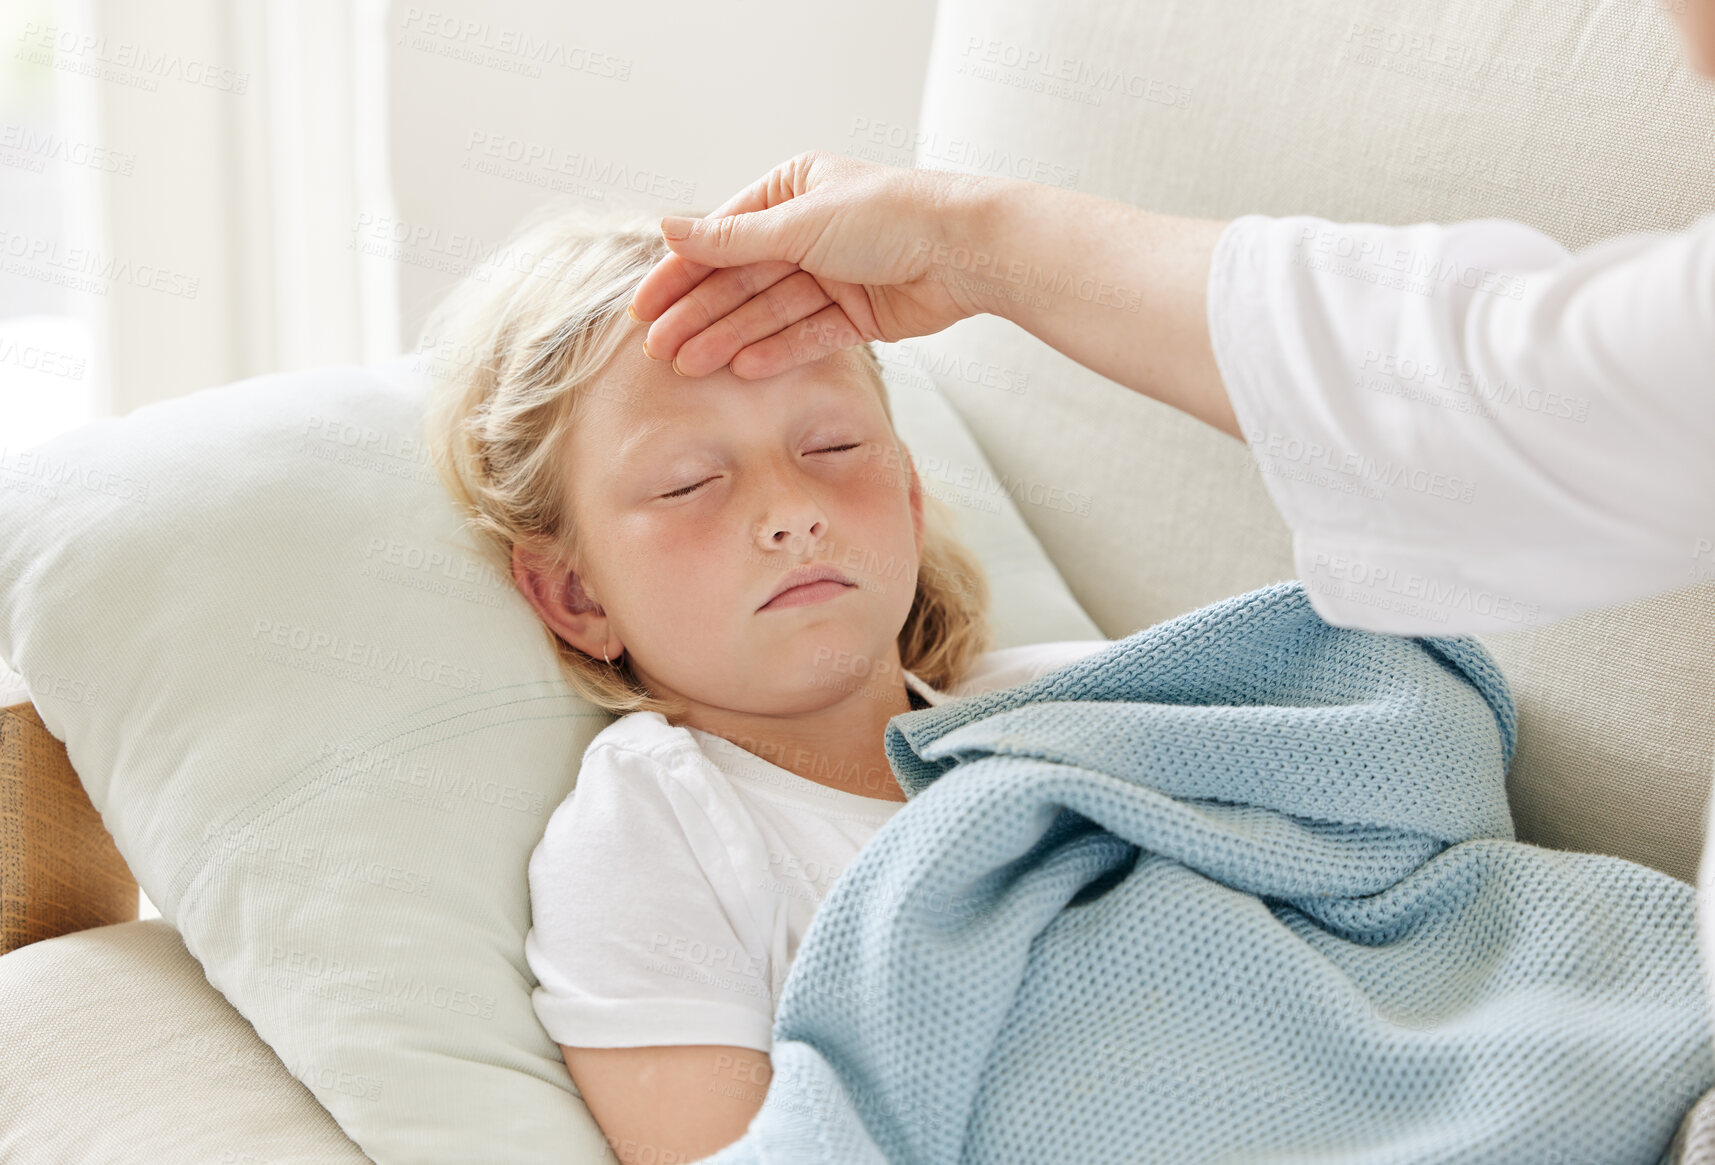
column 647, row 400
column 638, row 382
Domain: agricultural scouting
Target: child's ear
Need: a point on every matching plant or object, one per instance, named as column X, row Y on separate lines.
column 545, row 582
column 559, row 598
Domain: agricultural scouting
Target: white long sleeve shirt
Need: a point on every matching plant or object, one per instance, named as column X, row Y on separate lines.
column 1468, row 427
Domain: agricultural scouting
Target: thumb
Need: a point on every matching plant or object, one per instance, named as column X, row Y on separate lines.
column 731, row 240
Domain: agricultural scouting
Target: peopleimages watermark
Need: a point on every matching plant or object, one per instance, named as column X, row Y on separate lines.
column 1076, row 79
column 434, row 570
column 46, row 361
column 367, row 987
column 120, row 61
column 973, row 485
column 695, row 960
column 54, row 686
column 1419, row 596
column 363, row 446
column 510, row 50
column 31, row 148
column 948, row 365
column 43, row 472
column 971, row 267
column 453, row 252
column 1359, row 474
column 419, row 245
column 1379, row 260
column 892, row 143
column 1427, row 56
column 1413, row 378
column 324, row 1078
column 1483, row 176
column 550, row 165
column 313, row 864
column 86, row 269
column 435, row 784
column 364, row 661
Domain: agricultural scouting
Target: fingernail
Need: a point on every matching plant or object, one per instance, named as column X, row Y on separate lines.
column 675, row 227
column 633, row 314
column 676, row 367
column 646, row 350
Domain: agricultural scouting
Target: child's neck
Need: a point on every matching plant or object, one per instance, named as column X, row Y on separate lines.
column 840, row 748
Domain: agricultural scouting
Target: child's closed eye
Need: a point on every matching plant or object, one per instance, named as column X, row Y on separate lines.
column 696, row 485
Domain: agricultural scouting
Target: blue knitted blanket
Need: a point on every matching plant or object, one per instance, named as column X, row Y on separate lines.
column 1242, row 887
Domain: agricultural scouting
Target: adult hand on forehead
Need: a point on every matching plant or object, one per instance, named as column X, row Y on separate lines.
column 821, row 253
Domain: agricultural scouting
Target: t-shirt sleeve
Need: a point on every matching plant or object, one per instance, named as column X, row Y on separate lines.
column 1468, row 427
column 640, row 934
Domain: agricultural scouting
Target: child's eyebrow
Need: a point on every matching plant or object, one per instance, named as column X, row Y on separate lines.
column 635, row 440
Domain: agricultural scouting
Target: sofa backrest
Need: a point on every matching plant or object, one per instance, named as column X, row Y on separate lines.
column 1579, row 119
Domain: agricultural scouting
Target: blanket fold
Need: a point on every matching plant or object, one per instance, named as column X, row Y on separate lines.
column 1241, row 887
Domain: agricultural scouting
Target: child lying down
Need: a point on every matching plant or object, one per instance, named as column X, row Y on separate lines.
column 1311, row 821
column 651, row 520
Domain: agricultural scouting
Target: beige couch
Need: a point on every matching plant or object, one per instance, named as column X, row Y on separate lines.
column 1578, row 119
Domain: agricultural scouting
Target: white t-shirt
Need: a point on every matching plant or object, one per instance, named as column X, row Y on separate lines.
column 671, row 888
column 1468, row 427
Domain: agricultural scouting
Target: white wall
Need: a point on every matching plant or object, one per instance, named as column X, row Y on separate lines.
column 688, row 101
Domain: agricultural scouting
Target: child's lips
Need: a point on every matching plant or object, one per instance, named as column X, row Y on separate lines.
column 802, row 576
column 801, row 596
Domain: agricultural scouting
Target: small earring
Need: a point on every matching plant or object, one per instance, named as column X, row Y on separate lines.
column 604, row 657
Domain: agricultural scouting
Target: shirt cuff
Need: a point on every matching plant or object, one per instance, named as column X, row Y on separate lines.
column 1392, row 589
column 636, row 1023
column 1386, row 586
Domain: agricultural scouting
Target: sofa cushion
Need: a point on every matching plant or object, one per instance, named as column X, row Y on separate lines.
column 118, row 1049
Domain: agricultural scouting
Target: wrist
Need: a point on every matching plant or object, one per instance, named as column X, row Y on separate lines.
column 977, row 211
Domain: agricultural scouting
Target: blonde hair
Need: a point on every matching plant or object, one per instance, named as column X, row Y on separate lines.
column 513, row 354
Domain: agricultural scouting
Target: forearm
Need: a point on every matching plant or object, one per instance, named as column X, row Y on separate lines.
column 1122, row 291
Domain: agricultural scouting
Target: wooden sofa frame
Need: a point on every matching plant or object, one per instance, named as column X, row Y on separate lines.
column 59, row 869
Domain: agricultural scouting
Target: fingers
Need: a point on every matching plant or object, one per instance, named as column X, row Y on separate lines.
column 828, row 331
column 714, row 298
column 671, row 278
column 676, row 275
column 716, row 339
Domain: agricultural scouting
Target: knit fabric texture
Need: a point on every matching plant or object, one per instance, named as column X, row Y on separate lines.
column 1240, row 888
